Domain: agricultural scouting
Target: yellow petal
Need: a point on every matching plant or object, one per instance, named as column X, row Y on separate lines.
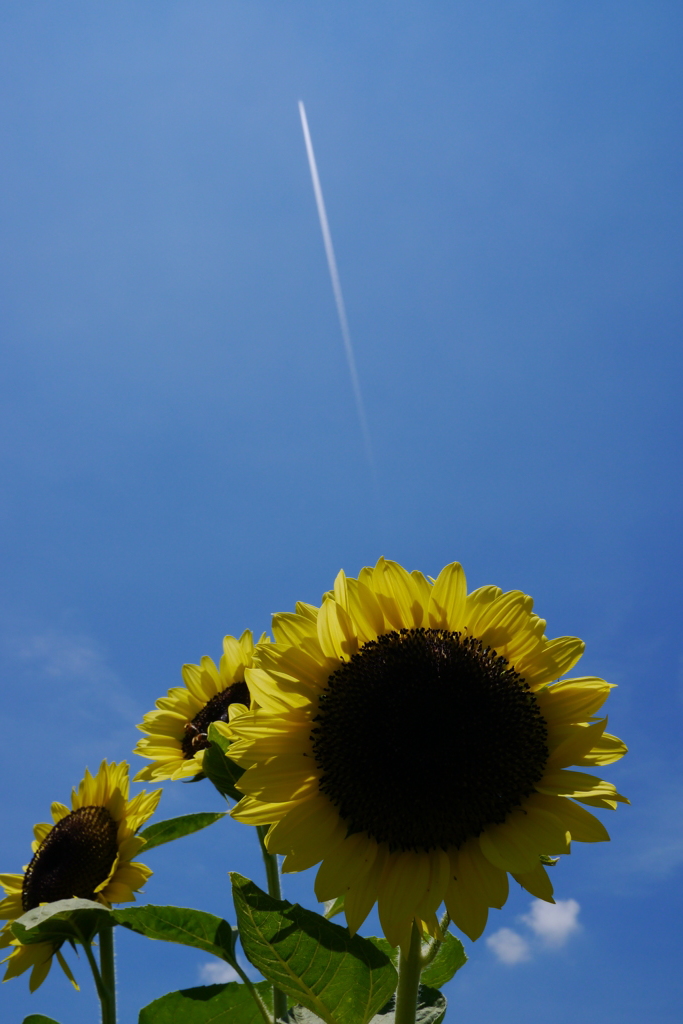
column 344, row 866
column 365, row 611
column 340, row 591
column 573, row 700
column 288, row 777
column 537, row 883
column 336, row 635
column 271, row 696
column 402, row 888
column 571, row 744
column 467, row 909
column 478, row 874
column 361, row 895
column 476, row 605
column 558, row 657
column 606, row 750
column 447, row 600
column 508, row 846
column 291, row 629
column 439, row 878
column 578, row 785
column 251, row 811
column 584, row 826
column 314, row 815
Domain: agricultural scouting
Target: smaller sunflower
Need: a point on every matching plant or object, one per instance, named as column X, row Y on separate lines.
column 87, row 852
column 177, row 731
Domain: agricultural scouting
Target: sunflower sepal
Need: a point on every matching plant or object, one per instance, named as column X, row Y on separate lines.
column 74, row 920
column 443, row 962
column 39, row 1018
column 333, row 907
column 342, row 980
column 176, row 828
column 218, row 768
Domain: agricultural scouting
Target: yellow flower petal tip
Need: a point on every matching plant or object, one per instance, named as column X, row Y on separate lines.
column 413, row 739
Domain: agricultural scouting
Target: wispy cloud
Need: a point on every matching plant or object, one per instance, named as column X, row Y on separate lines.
column 509, row 946
column 74, row 661
column 71, row 684
column 214, row 972
column 553, row 922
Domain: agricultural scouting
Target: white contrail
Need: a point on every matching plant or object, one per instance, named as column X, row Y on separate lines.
column 336, row 287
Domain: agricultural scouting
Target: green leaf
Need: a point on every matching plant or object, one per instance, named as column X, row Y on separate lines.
column 449, row 959
column 75, row 920
column 343, row 980
column 223, row 772
column 38, row 1018
column 180, row 924
column 175, row 828
column 208, row 1004
column 385, row 947
column 431, row 1009
column 333, row 907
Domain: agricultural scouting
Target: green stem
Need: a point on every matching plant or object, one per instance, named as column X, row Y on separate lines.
column 270, row 861
column 87, row 946
column 108, row 975
column 274, row 890
column 409, row 969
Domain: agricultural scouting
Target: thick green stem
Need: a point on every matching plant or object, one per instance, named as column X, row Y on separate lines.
column 274, row 890
column 409, row 969
column 108, row 975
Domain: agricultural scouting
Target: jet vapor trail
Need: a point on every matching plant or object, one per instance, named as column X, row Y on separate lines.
column 336, row 288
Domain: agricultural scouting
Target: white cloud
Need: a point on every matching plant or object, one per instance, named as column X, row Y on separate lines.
column 509, row 947
column 215, row 972
column 553, row 922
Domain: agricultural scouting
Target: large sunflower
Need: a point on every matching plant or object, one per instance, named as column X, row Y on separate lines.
column 408, row 736
column 87, row 852
column 176, row 732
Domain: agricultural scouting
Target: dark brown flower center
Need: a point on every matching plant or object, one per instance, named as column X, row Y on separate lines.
column 425, row 737
column 75, row 857
column 215, row 710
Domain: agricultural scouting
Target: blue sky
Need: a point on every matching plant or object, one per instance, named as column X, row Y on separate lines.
column 181, row 454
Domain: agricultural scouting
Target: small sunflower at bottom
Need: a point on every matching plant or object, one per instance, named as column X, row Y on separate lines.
column 87, row 852
column 177, row 731
column 414, row 740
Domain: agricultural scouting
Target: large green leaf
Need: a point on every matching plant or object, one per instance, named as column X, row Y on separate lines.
column 223, row 772
column 38, row 1018
column 449, row 959
column 76, row 920
column 180, row 924
column 176, row 828
column 343, row 980
column 431, row 1009
column 208, row 1004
